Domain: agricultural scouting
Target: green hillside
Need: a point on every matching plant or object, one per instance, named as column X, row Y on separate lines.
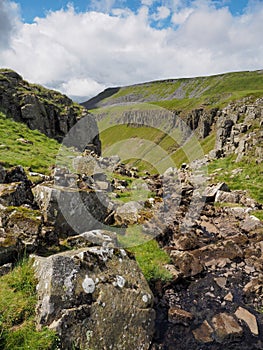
column 29, row 148
column 117, row 108
column 187, row 93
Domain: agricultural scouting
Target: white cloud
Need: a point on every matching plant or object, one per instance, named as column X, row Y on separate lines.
column 181, row 16
column 162, row 13
column 81, row 53
column 147, row 2
column 9, row 20
column 102, row 5
column 81, row 87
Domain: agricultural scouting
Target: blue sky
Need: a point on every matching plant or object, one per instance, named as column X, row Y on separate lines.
column 82, row 47
column 31, row 9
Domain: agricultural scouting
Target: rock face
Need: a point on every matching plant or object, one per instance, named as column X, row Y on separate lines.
column 46, row 110
column 95, row 298
column 235, row 129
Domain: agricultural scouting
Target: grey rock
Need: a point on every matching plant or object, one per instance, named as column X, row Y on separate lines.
column 225, row 327
column 210, row 192
column 95, row 298
column 94, row 238
column 128, row 213
column 71, row 210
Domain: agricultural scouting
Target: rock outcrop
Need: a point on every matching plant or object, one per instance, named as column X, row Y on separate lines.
column 239, row 130
column 48, row 111
column 95, row 298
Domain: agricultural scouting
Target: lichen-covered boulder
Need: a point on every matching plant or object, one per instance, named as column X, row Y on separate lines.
column 95, row 298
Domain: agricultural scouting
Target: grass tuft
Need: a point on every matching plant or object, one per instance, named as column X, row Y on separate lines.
column 17, row 311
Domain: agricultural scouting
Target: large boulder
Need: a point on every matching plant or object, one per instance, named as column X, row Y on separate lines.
column 95, row 298
column 71, row 210
column 128, row 213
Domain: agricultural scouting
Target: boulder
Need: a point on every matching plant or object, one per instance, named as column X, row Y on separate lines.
column 186, row 263
column 227, row 197
column 251, row 223
column 17, row 174
column 204, row 333
column 19, row 232
column 15, row 188
column 95, row 298
column 128, row 213
column 93, row 238
column 71, row 210
column 179, row 316
column 210, row 192
column 226, row 327
column 15, row 194
column 248, row 318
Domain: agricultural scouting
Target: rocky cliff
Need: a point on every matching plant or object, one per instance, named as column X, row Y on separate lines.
column 239, row 130
column 46, row 110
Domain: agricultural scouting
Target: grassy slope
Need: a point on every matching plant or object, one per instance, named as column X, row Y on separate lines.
column 38, row 155
column 249, row 178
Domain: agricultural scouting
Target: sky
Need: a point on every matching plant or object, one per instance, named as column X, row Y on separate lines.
column 82, row 47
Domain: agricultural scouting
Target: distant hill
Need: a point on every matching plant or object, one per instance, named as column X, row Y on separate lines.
column 162, row 108
column 186, row 93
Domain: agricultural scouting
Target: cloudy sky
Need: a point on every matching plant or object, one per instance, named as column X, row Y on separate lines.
column 81, row 47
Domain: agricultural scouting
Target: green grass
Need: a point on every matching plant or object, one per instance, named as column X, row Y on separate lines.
column 150, row 257
column 152, row 149
column 38, row 156
column 258, row 214
column 249, row 179
column 17, row 310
